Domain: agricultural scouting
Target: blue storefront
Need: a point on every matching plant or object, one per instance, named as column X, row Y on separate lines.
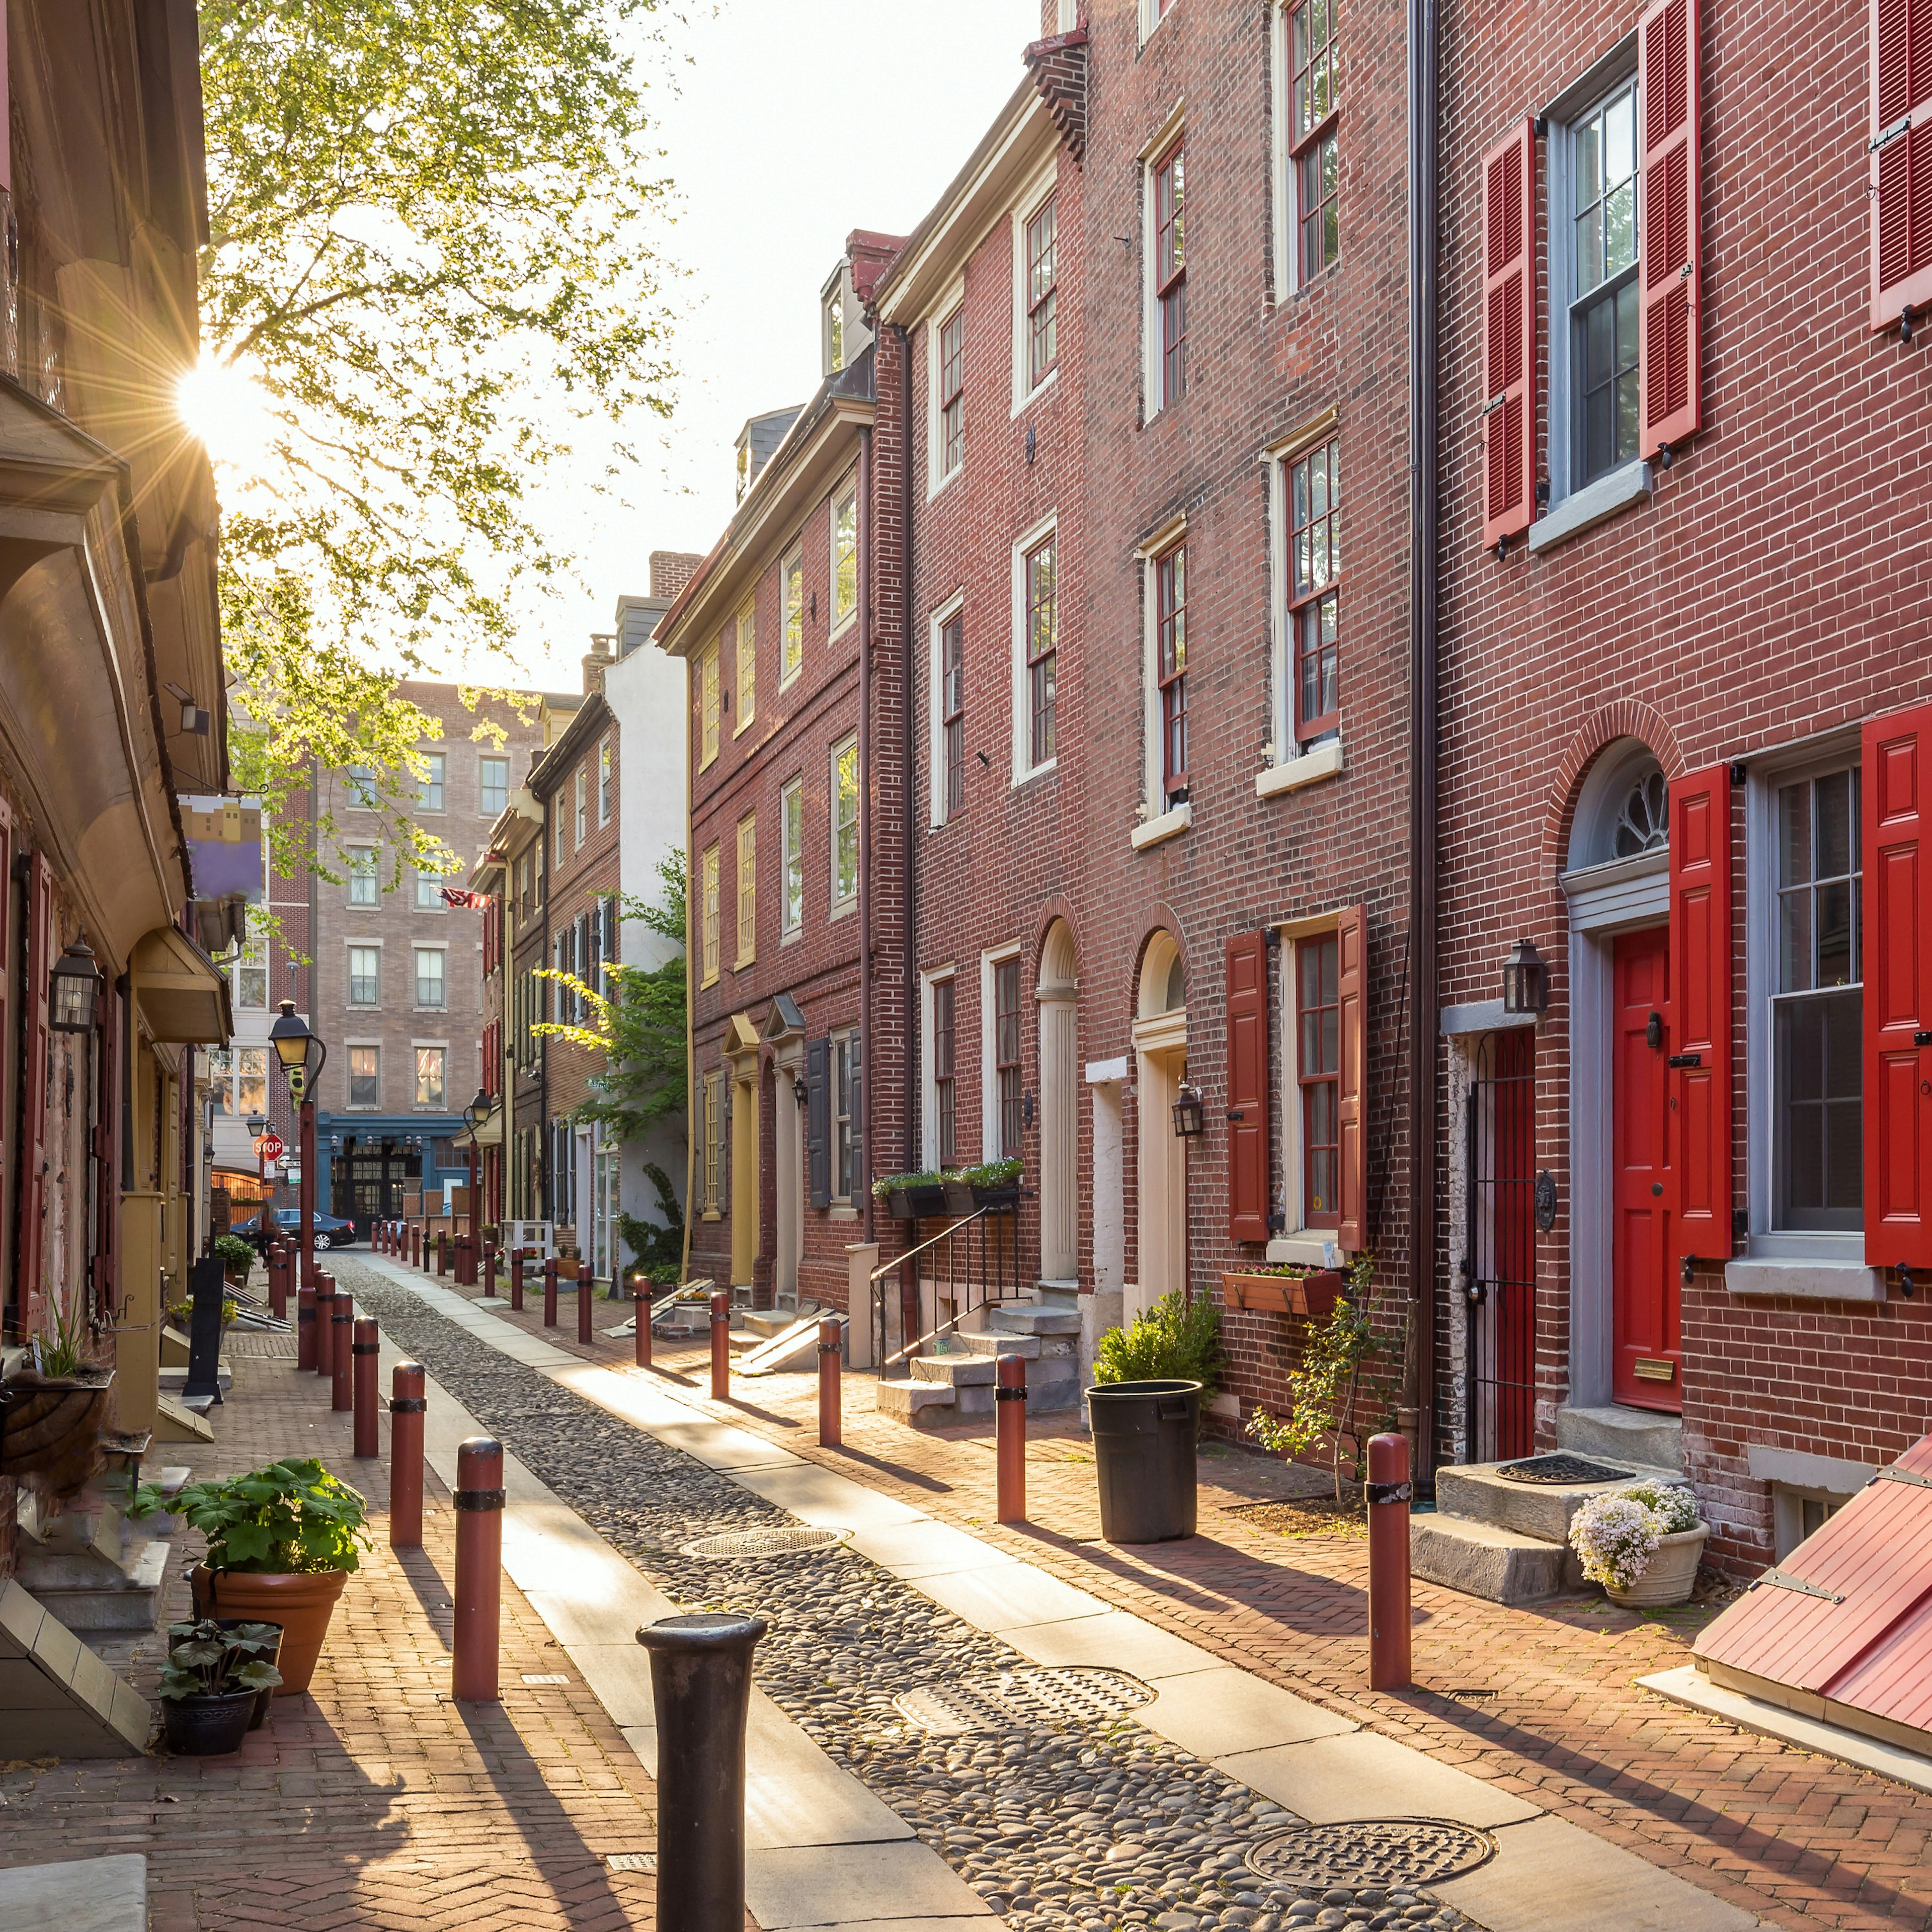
column 367, row 1162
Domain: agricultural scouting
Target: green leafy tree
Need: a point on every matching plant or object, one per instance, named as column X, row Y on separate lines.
column 431, row 252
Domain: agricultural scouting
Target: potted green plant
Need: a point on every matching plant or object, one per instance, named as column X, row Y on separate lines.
column 53, row 1400
column 1284, row 1288
column 235, row 1255
column 993, row 1184
column 212, row 1682
column 1149, row 1376
column 908, row 1196
column 282, row 1541
column 1643, row 1542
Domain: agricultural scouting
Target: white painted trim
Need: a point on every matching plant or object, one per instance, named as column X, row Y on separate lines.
column 842, row 904
column 1157, row 831
column 1281, row 166
column 1481, row 1016
column 1809, row 1281
column 1831, row 1474
column 1310, row 1248
column 1323, row 761
column 1156, row 148
column 989, row 1083
column 1107, row 1073
column 1028, row 203
column 788, row 929
column 796, row 554
column 1048, row 525
column 847, row 483
column 950, row 305
column 1632, row 892
column 1583, row 509
column 935, row 736
column 928, row 1085
column 1160, row 1033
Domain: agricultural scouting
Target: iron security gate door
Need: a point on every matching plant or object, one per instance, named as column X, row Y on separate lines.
column 1499, row 1249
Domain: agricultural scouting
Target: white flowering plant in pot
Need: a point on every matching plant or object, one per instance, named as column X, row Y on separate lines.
column 1620, row 1535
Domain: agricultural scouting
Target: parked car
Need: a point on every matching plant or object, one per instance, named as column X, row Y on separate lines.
column 331, row 1230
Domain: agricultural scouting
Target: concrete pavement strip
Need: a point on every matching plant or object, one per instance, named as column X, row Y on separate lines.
column 1547, row 1875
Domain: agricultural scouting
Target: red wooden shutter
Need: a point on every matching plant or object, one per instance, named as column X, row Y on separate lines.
column 1669, row 377
column 1351, row 975
column 1901, row 161
column 1509, row 335
column 1248, row 1125
column 1896, row 815
column 1700, row 1071
column 27, row 1240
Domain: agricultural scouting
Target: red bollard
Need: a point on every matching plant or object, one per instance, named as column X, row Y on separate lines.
column 1388, row 1494
column 1009, row 1415
column 586, row 1303
column 365, row 1349
column 517, row 1281
column 406, row 1404
column 549, row 1292
column 831, row 1389
column 489, row 1271
column 324, row 1324
column 479, row 1569
column 342, row 1365
column 721, row 1347
column 305, row 1328
column 640, row 1300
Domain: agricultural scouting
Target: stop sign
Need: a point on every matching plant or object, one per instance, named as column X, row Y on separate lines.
column 271, row 1147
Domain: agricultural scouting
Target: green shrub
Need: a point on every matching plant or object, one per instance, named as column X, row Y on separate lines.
column 235, row 1255
column 1176, row 1340
column 990, row 1173
column 290, row 1517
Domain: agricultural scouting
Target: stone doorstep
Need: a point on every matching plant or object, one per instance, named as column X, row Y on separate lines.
column 104, row 1894
column 1064, row 1295
column 956, row 1368
column 86, row 1594
column 1614, row 1435
column 919, row 1404
column 1483, row 1559
column 1475, row 1491
column 1033, row 1321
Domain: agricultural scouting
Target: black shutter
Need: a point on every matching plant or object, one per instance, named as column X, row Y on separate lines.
column 818, row 1122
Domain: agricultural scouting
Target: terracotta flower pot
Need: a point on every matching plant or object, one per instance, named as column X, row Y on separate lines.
column 302, row 1604
column 1672, row 1575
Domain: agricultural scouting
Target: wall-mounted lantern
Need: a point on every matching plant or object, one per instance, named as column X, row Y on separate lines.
column 1190, row 1117
column 1526, row 980
column 73, row 990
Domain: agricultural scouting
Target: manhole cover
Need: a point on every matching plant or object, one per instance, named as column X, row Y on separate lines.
column 1000, row 1699
column 1562, row 1470
column 1384, row 1852
column 755, row 1543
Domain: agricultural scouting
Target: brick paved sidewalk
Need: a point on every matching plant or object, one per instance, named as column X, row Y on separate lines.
column 1542, row 1702
column 374, row 1801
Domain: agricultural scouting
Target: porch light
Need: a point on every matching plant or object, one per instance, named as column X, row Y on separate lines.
column 1190, row 1117
column 1526, row 980
column 73, row 990
column 301, row 1052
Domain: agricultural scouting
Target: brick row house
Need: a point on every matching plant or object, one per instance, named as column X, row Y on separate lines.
column 1685, row 677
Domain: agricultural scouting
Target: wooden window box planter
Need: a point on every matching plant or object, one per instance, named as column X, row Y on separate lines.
column 1314, row 1295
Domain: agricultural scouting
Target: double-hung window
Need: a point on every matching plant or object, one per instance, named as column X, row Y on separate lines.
column 793, row 570
column 429, row 889
column 429, row 976
column 581, row 816
column 604, row 768
column 945, row 1087
column 748, row 890
column 708, row 900
column 361, row 867
column 1314, row 565
column 1041, row 283
column 708, row 701
column 845, row 555
column 791, row 812
column 365, row 1079
column 1006, row 1053
column 1318, row 1064
column 1042, row 595
column 1817, row 1009
column 714, row 1142
column 747, row 667
column 365, row 975
column 953, row 392
column 844, row 823
column 492, row 785
column 1170, row 273
column 1603, row 308
column 952, row 709
column 364, row 794
column 1314, row 154
column 430, row 796
column 250, row 979
column 430, row 1082
column 1170, row 577
column 847, row 1100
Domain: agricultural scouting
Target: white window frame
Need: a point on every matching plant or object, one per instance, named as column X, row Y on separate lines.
column 1152, row 15
column 1153, row 805
column 417, row 948
column 791, row 566
column 1174, row 128
column 1297, row 1242
column 929, row 1084
column 846, row 491
column 842, row 907
column 438, row 767
column 952, row 303
column 484, row 760
column 746, row 955
column 1021, row 697
column 351, row 854
column 350, row 948
column 744, row 632
column 434, row 902
column 581, row 812
column 989, row 1061
column 935, row 707
column 415, row 1047
column 1038, row 192
column 1833, row 752
column 603, row 781
column 374, row 1106
column 791, row 859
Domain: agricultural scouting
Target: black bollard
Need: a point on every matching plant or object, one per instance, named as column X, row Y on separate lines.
column 701, row 1686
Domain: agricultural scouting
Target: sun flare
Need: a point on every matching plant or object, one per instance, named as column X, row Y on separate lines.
column 228, row 410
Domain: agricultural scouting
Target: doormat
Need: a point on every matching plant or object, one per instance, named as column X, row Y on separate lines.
column 1562, row 1471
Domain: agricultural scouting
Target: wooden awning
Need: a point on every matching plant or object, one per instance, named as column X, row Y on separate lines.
column 180, row 993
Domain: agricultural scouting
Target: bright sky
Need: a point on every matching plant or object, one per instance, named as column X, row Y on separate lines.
column 795, row 124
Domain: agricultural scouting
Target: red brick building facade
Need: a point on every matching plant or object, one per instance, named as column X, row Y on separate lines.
column 1684, row 662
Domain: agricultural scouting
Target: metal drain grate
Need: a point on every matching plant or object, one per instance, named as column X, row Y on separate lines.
column 1003, row 1699
column 1384, row 1851
column 750, row 1544
column 1562, row 1470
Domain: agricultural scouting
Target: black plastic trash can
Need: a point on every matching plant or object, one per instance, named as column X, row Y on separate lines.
column 1144, row 1451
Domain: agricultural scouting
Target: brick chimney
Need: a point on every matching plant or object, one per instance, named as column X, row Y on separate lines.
column 670, row 571
column 601, row 654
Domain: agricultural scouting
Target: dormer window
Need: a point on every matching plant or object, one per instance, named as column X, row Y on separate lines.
column 835, row 324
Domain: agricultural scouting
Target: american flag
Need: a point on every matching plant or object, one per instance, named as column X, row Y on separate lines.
column 460, row 895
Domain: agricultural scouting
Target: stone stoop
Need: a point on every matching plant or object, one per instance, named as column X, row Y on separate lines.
column 944, row 1387
column 920, row 1405
column 1623, row 1436
column 58, row 1698
column 90, row 1571
column 1508, row 1542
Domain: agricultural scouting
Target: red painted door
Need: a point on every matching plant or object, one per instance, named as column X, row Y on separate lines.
column 1646, row 1316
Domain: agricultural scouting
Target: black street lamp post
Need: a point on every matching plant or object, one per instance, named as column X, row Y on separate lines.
column 303, row 1056
column 475, row 1117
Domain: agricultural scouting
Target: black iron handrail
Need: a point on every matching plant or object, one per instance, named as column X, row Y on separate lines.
column 994, row 1286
